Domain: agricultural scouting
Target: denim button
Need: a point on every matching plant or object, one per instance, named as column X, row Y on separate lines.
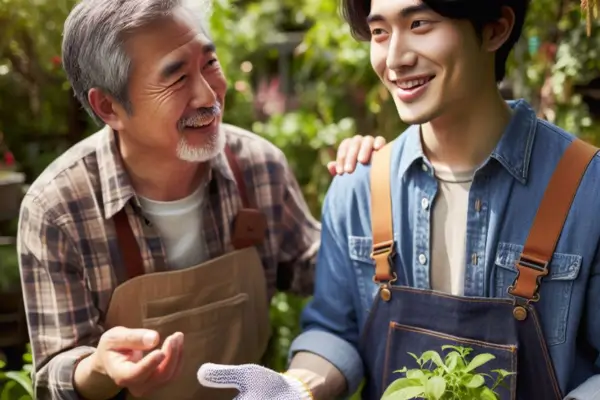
column 422, row 259
column 425, row 203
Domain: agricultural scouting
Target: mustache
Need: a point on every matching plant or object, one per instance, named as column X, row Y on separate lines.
column 201, row 114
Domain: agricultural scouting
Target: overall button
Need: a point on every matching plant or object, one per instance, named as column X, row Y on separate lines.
column 520, row 313
column 424, row 166
column 424, row 203
column 422, row 259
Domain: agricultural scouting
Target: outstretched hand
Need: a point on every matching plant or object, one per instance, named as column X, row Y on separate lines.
column 353, row 150
column 253, row 382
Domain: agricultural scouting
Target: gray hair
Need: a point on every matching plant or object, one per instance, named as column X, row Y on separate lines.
column 93, row 47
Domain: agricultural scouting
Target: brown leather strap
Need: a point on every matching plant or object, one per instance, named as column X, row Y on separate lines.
column 238, row 176
column 130, row 250
column 381, row 214
column 550, row 218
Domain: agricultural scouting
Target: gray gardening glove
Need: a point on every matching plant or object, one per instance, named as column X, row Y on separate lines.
column 253, row 382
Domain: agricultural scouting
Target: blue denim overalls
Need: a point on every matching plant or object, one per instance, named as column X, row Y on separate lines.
column 406, row 320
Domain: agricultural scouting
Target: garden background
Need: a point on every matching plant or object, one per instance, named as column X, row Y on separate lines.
column 296, row 77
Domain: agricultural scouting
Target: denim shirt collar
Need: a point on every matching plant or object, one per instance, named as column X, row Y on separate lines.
column 513, row 150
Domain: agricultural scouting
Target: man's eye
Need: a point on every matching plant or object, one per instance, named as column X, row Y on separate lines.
column 213, row 62
column 183, row 77
column 377, row 31
column 418, row 24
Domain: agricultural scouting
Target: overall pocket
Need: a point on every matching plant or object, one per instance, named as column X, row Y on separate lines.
column 555, row 290
column 404, row 339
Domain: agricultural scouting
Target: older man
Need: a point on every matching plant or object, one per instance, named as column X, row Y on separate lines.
column 164, row 225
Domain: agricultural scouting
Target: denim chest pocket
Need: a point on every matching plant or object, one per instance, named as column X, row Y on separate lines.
column 360, row 249
column 555, row 289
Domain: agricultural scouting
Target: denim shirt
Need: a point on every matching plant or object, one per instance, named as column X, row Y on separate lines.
column 503, row 201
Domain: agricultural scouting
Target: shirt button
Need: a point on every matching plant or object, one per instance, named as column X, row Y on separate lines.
column 425, row 203
column 424, row 166
column 422, row 259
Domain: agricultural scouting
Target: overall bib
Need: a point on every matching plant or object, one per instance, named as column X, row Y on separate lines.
column 220, row 306
column 405, row 319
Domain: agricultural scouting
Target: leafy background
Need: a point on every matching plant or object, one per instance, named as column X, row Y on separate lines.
column 296, row 77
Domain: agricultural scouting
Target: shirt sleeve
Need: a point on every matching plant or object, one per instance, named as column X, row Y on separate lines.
column 329, row 321
column 590, row 389
column 61, row 316
column 299, row 240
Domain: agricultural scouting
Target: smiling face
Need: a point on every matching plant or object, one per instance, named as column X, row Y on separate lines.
column 429, row 63
column 177, row 91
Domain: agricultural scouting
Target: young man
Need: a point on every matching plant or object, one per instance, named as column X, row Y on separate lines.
column 437, row 243
column 166, row 226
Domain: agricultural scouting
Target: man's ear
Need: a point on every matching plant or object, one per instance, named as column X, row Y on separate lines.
column 106, row 108
column 497, row 33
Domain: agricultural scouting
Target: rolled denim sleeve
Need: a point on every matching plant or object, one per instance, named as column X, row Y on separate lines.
column 329, row 322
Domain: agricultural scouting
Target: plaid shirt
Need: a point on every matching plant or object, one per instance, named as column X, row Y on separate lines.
column 70, row 260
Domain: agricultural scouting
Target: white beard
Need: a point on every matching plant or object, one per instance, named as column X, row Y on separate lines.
column 214, row 145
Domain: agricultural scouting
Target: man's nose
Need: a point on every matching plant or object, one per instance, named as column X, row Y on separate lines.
column 203, row 94
column 400, row 55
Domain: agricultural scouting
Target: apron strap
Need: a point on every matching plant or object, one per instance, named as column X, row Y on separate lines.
column 381, row 215
column 550, row 218
column 543, row 236
column 130, row 250
column 238, row 176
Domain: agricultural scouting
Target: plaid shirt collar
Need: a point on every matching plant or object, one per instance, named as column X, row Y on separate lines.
column 116, row 186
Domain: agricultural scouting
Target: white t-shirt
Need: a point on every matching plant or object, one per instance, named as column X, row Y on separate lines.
column 179, row 224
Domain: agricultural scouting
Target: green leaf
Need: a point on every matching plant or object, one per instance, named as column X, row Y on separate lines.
column 414, row 374
column 435, row 387
column 479, row 360
column 417, row 359
column 487, row 394
column 502, row 372
column 407, row 393
column 452, row 361
column 21, row 380
column 475, row 382
column 400, row 384
column 434, row 357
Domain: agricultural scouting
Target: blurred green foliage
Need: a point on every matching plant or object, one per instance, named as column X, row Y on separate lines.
column 296, row 77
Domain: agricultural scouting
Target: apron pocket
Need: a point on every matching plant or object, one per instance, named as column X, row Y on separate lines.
column 212, row 332
column 404, row 339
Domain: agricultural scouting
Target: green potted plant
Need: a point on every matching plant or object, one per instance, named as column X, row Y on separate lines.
column 17, row 384
column 453, row 378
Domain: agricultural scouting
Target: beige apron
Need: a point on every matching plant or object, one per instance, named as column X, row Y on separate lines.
column 220, row 306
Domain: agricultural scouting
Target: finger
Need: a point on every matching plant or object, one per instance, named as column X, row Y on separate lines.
column 341, row 156
column 379, row 142
column 126, row 373
column 180, row 358
column 366, row 148
column 172, row 349
column 120, row 338
column 331, row 167
column 224, row 376
column 352, row 154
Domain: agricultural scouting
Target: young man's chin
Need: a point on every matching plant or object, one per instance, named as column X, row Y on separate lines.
column 414, row 115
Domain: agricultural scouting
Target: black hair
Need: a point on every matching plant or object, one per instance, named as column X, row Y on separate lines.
column 477, row 12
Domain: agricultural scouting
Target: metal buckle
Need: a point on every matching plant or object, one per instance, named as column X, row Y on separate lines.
column 382, row 248
column 394, row 279
column 535, row 265
column 383, row 252
column 538, row 266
